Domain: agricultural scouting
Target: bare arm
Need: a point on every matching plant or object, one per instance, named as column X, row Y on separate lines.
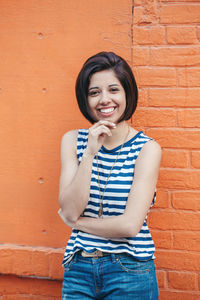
column 75, row 179
column 139, row 201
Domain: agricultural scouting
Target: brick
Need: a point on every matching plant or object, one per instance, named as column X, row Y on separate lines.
column 175, row 179
column 183, row 281
column 189, row 200
column 176, row 138
column 175, row 56
column 187, row 13
column 162, row 199
column 143, row 98
column 162, row 239
column 150, row 12
column 31, row 261
column 178, row 295
column 162, row 77
column 153, row 35
column 161, row 278
column 198, row 33
column 181, row 35
column 18, row 285
column 28, row 297
column 40, row 263
column 175, row 158
column 154, row 117
column 140, row 56
column 177, row 260
column 138, row 2
column 195, row 159
column 55, row 265
column 6, row 261
column 189, row 241
column 166, row 1
column 138, row 15
column 146, row 14
column 22, row 262
column 174, row 97
column 189, row 77
column 169, row 220
column 199, row 281
column 189, row 118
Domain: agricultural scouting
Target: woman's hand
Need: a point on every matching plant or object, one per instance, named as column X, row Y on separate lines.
column 97, row 135
column 139, row 200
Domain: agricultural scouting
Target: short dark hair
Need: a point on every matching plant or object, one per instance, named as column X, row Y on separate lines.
column 104, row 61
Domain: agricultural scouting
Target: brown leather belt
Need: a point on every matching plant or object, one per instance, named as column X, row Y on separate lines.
column 97, row 253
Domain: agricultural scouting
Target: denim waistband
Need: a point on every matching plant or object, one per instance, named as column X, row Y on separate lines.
column 107, row 256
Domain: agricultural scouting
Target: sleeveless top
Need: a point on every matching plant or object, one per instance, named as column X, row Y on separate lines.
column 141, row 247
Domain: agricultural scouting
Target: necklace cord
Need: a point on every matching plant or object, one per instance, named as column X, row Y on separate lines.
column 100, row 213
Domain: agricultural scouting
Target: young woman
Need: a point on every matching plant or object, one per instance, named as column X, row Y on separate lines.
column 107, row 186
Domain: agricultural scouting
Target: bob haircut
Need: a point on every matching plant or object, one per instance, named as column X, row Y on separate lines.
column 107, row 61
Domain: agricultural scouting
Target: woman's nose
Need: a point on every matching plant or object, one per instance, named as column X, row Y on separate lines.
column 104, row 98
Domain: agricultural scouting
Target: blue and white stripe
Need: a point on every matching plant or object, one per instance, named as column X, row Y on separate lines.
column 114, row 201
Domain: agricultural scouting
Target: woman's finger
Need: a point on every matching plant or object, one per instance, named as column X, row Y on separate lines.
column 99, row 130
column 105, row 123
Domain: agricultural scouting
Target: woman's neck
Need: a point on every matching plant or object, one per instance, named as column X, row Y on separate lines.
column 119, row 134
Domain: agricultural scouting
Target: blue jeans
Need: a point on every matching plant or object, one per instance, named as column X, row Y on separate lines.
column 116, row 276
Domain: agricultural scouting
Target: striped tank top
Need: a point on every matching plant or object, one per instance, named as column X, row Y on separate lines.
column 141, row 247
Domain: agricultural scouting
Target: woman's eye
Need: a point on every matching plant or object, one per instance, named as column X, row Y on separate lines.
column 114, row 90
column 93, row 93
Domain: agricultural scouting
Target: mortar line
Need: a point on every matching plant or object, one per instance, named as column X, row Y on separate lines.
column 132, row 19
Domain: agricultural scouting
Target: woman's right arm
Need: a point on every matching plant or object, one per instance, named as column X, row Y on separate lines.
column 75, row 179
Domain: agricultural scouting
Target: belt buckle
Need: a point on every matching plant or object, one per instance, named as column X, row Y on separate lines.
column 96, row 254
column 99, row 253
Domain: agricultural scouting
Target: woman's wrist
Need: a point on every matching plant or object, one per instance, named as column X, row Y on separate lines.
column 88, row 154
column 77, row 224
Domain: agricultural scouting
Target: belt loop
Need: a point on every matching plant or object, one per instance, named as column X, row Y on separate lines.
column 75, row 256
column 113, row 257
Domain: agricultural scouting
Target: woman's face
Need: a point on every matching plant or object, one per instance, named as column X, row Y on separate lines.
column 106, row 97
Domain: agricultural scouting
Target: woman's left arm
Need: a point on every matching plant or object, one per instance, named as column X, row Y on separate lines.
column 139, row 200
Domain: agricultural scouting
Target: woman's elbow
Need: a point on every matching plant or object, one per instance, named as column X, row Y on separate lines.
column 65, row 213
column 61, row 199
column 67, row 218
column 131, row 229
column 131, row 232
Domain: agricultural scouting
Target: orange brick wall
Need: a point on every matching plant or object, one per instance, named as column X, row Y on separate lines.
column 43, row 45
column 166, row 59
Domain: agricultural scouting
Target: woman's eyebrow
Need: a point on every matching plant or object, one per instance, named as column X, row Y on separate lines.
column 96, row 87
column 114, row 84
column 93, row 87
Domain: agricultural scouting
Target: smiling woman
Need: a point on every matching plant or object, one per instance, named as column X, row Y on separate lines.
column 106, row 97
column 107, row 186
column 107, row 61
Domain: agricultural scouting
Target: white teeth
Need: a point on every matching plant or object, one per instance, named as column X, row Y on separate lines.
column 107, row 110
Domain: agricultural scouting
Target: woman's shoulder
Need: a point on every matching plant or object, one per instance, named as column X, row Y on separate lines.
column 149, row 147
column 69, row 139
column 143, row 138
column 151, row 151
column 69, row 136
column 152, row 146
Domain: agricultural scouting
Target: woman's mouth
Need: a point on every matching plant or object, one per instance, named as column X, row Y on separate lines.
column 106, row 111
